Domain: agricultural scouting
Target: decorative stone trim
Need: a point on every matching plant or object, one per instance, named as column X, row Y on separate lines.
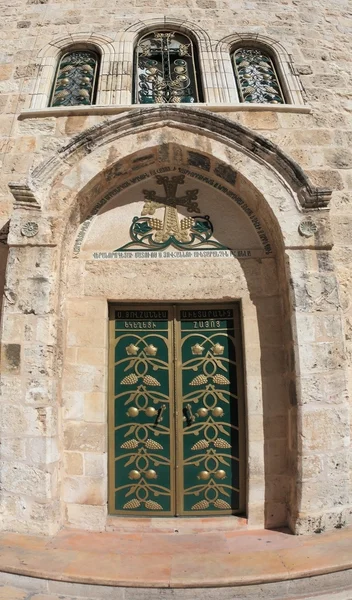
column 24, row 196
column 307, row 228
column 198, row 121
column 30, row 229
column 73, row 111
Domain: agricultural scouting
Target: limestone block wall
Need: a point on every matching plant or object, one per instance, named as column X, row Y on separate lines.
column 316, row 36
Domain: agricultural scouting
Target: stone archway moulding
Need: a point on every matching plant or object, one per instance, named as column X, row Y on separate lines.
column 194, row 120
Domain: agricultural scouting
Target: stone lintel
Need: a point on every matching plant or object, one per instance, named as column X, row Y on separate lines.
column 115, row 109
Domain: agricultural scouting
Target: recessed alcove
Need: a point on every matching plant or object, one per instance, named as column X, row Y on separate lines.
column 103, row 266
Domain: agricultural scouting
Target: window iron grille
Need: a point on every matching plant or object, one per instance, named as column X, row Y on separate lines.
column 256, row 77
column 75, row 80
column 166, row 69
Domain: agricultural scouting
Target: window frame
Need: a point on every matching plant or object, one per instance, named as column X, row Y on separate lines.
column 67, row 52
column 197, row 74
column 288, row 78
column 275, row 69
column 114, row 89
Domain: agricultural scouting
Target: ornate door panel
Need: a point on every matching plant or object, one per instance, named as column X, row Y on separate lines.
column 210, row 439
column 141, row 443
column 176, row 412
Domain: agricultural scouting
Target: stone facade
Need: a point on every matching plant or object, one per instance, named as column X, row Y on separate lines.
column 290, row 165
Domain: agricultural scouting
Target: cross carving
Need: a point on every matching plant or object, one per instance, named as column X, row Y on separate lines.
column 170, row 226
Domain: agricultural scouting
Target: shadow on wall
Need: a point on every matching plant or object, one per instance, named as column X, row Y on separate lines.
column 4, row 250
column 266, row 284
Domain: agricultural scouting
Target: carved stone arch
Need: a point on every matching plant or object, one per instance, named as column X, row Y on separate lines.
column 50, row 54
column 228, row 42
column 171, row 154
column 74, row 179
column 289, row 79
column 268, row 180
column 206, row 164
column 146, row 120
column 56, row 46
column 188, row 27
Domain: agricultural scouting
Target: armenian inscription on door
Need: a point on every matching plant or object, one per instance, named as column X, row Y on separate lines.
column 176, row 412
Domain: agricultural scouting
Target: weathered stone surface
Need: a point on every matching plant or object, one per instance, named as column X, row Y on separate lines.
column 33, row 481
column 10, row 593
column 89, row 518
column 296, row 303
column 73, row 463
column 85, row 437
column 85, row 490
column 12, row 356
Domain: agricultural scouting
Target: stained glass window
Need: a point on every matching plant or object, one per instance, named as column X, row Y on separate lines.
column 166, row 69
column 256, row 77
column 75, row 79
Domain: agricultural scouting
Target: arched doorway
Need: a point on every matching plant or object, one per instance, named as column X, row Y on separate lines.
column 174, row 241
column 251, row 193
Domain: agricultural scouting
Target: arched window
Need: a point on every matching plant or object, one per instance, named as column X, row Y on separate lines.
column 76, row 78
column 256, row 76
column 166, row 69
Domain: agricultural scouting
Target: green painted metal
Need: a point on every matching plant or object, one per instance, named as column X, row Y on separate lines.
column 210, row 442
column 176, row 425
column 144, row 469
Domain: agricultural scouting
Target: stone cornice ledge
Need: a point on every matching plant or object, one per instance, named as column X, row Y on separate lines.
column 73, row 111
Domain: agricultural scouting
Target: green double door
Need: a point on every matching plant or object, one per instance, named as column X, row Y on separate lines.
column 176, row 433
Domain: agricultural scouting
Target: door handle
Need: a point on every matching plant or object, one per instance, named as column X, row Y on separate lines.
column 189, row 415
column 159, row 417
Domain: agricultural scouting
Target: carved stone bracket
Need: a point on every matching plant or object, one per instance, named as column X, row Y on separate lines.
column 24, row 196
column 311, row 197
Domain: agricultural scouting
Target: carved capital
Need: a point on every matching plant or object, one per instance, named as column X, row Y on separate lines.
column 24, row 196
column 312, row 197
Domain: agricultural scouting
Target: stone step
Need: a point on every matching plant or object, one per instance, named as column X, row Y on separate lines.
column 178, row 564
column 335, row 586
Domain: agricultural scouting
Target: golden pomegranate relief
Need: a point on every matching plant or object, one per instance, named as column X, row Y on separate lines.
column 132, row 350
column 197, row 349
column 218, row 349
column 151, row 350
